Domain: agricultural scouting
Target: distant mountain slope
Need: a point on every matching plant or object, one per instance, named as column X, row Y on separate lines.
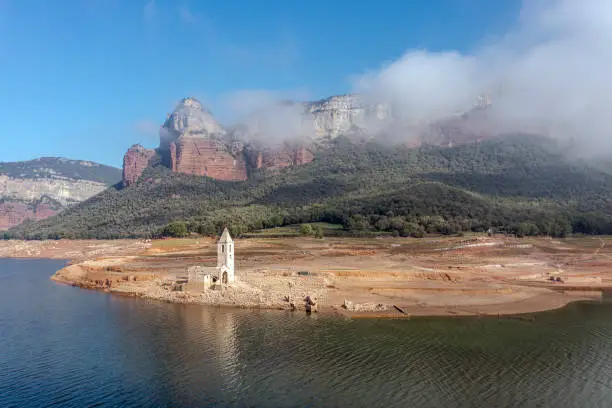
column 519, row 183
column 39, row 188
column 289, row 134
column 58, row 167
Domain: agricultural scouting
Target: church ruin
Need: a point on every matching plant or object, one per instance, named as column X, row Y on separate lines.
column 223, row 273
column 225, row 257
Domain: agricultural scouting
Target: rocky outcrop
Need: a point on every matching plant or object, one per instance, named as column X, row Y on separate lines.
column 40, row 188
column 345, row 114
column 13, row 213
column 278, row 157
column 135, row 160
column 64, row 191
column 193, row 142
column 206, row 157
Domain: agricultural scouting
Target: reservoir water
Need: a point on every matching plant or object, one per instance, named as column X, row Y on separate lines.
column 63, row 346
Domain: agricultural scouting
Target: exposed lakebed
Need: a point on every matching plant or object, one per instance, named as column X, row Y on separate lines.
column 67, row 346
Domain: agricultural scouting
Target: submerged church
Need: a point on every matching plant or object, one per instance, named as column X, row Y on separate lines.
column 225, row 257
column 224, row 272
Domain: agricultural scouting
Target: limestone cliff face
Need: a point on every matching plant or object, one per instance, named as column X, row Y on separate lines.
column 135, row 160
column 345, row 114
column 290, row 134
column 64, row 191
column 191, row 116
column 43, row 187
column 304, row 128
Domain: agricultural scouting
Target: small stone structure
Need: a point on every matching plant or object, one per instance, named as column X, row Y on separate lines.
column 223, row 273
column 202, row 274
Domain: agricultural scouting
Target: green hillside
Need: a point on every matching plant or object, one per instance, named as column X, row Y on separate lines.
column 57, row 167
column 521, row 184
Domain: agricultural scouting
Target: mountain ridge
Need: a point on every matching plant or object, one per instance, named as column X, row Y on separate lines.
column 514, row 182
column 286, row 134
column 39, row 188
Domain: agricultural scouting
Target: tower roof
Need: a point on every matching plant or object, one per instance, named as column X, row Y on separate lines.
column 226, row 237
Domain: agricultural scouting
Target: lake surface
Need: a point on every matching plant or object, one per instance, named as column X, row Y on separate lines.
column 71, row 347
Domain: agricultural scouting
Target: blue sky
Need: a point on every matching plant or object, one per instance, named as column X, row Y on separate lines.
column 85, row 79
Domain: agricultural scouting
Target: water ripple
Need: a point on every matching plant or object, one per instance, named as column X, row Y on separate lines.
column 61, row 346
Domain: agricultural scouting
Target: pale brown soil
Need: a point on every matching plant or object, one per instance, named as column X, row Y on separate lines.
column 400, row 277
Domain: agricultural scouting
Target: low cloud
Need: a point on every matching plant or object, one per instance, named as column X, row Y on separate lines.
column 148, row 128
column 271, row 117
column 550, row 72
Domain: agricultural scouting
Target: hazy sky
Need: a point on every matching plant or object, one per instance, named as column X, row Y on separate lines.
column 85, row 79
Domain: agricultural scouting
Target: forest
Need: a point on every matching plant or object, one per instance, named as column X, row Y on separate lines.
column 516, row 184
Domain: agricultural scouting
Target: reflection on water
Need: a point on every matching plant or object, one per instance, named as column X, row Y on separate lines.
column 72, row 347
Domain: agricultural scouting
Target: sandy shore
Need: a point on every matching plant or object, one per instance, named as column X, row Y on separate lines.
column 390, row 277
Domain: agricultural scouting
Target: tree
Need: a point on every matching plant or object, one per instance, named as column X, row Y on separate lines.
column 206, row 229
column 175, row 229
column 306, row 229
column 318, row 232
column 414, row 230
column 358, row 222
column 237, row 229
column 526, row 228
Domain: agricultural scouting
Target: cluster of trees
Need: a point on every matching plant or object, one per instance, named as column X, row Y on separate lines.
column 309, row 230
column 520, row 185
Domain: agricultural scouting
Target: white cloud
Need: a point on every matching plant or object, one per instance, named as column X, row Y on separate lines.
column 267, row 115
column 551, row 70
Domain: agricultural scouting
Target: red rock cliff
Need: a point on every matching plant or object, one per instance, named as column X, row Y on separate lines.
column 279, row 157
column 206, row 157
column 136, row 159
column 14, row 213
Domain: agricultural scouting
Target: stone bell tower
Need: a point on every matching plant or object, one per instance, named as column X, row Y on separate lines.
column 225, row 257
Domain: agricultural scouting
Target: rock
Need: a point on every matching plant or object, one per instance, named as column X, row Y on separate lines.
column 135, row 160
column 40, row 188
column 342, row 114
column 13, row 213
column 278, row 157
column 309, row 304
column 206, row 157
column 191, row 116
column 193, row 142
column 289, row 134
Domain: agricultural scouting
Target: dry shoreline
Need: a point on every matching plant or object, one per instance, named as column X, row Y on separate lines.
column 355, row 277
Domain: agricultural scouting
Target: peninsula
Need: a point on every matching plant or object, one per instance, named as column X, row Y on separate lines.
column 357, row 277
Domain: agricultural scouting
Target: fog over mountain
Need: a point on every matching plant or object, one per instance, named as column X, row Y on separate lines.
column 548, row 74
